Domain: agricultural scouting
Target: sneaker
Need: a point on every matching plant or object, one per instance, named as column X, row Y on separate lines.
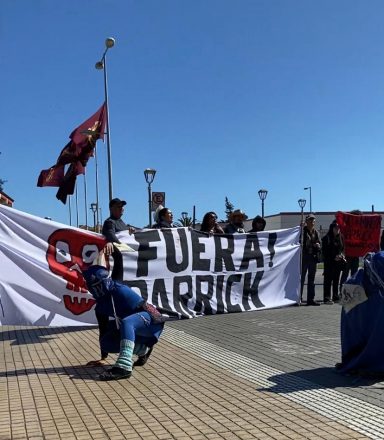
column 115, row 373
column 313, row 303
column 142, row 360
column 328, row 302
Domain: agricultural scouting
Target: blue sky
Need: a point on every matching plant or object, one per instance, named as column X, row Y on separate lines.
column 221, row 97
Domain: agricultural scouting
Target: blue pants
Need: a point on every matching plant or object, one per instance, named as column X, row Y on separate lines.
column 136, row 328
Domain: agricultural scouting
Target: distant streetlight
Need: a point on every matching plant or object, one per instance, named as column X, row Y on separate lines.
column 184, row 215
column 310, row 197
column 302, row 203
column 263, row 195
column 94, row 210
column 102, row 65
column 149, row 174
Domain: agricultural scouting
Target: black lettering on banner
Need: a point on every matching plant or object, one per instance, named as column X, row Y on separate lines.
column 160, row 290
column 180, row 302
column 198, row 263
column 251, row 292
column 172, row 264
column 223, row 256
column 252, row 252
column 271, row 246
column 145, row 252
column 232, row 308
column 202, row 299
column 141, row 285
column 219, row 294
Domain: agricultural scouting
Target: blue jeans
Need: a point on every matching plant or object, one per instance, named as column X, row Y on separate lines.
column 136, row 328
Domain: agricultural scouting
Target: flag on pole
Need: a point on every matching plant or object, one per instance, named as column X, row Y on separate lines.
column 75, row 154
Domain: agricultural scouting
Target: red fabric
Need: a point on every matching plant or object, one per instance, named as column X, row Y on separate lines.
column 361, row 233
column 75, row 154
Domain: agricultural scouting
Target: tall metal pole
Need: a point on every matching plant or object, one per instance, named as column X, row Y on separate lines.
column 262, row 208
column 85, row 199
column 149, row 205
column 109, row 156
column 77, row 206
column 310, row 197
column 97, row 188
column 102, row 64
column 70, row 210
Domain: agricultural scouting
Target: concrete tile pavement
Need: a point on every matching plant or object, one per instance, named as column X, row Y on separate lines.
column 256, row 375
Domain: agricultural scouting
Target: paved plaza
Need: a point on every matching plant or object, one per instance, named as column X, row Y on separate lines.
column 255, row 375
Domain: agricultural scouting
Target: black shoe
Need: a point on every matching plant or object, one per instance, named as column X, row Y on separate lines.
column 115, row 373
column 336, row 299
column 142, row 360
column 328, row 302
column 313, row 303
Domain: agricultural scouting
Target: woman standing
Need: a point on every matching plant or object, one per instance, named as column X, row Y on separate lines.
column 334, row 261
column 209, row 224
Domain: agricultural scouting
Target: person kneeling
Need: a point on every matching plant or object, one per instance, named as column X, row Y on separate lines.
column 134, row 331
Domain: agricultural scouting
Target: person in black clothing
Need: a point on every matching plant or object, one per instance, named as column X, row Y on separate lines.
column 164, row 219
column 258, row 224
column 112, row 225
column 310, row 256
column 236, row 222
column 334, row 261
column 210, row 225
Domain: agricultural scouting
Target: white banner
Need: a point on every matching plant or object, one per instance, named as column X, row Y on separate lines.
column 184, row 272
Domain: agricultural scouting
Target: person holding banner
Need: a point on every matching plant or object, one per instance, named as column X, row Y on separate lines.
column 112, row 225
column 310, row 257
column 210, row 225
column 136, row 327
column 164, row 219
column 258, row 224
column 236, row 222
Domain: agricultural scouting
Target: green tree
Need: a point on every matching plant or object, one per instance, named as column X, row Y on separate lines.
column 2, row 184
column 228, row 208
column 184, row 222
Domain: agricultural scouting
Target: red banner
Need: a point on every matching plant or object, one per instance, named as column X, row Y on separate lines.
column 361, row 233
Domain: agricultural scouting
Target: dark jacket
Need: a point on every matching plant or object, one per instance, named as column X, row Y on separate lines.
column 111, row 227
column 310, row 239
column 331, row 247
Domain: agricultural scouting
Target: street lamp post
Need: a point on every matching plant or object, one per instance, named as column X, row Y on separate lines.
column 149, row 174
column 102, row 65
column 302, row 203
column 94, row 210
column 310, row 197
column 263, row 195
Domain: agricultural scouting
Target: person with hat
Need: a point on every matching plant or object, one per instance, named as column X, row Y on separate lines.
column 112, row 225
column 311, row 247
column 236, row 222
column 136, row 327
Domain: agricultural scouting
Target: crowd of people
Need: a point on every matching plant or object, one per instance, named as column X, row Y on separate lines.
column 330, row 251
column 129, row 326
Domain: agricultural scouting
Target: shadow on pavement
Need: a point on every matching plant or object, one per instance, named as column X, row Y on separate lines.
column 318, row 378
column 74, row 372
column 34, row 335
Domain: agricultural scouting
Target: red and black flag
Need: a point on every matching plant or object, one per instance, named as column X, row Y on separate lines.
column 75, row 154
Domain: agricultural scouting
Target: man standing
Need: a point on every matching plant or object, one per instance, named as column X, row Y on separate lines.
column 236, row 222
column 310, row 255
column 112, row 225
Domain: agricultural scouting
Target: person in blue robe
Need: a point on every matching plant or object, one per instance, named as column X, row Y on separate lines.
column 135, row 328
column 362, row 319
